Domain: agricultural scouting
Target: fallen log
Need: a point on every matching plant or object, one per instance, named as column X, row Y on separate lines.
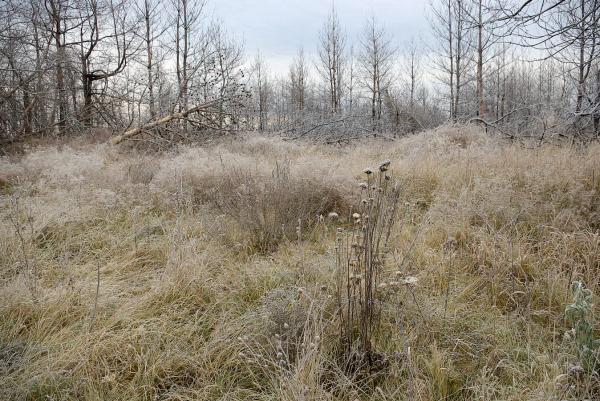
column 164, row 120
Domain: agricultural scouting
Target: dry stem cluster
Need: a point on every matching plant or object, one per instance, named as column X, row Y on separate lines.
column 360, row 259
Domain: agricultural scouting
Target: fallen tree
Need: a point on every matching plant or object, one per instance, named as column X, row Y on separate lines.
column 180, row 115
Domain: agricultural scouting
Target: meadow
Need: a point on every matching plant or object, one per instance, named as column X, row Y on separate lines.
column 210, row 272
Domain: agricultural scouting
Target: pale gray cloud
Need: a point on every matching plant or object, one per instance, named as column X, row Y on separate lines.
column 279, row 27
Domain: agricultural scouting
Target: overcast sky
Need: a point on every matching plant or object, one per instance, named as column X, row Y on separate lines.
column 278, row 28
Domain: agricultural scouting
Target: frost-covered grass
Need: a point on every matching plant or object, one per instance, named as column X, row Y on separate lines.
column 207, row 289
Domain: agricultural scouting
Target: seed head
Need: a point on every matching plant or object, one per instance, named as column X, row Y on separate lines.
column 363, row 185
column 368, row 171
column 356, row 215
column 333, row 215
column 384, row 165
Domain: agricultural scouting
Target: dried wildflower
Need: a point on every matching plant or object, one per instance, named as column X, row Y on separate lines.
column 368, row 171
column 333, row 215
column 384, row 165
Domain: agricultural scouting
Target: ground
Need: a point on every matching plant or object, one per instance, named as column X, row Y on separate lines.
column 208, row 273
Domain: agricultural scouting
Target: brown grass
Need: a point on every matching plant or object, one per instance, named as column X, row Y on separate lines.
column 208, row 290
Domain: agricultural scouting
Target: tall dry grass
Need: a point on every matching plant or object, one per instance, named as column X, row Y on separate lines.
column 187, row 275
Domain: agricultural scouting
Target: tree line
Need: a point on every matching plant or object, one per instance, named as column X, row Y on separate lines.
column 522, row 68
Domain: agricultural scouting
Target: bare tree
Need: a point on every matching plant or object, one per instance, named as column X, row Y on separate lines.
column 566, row 31
column 262, row 90
column 331, row 58
column 149, row 13
column 376, row 64
column 188, row 14
column 453, row 47
column 103, row 51
column 412, row 71
column 298, row 81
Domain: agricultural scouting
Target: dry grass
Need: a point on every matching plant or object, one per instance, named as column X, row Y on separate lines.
column 209, row 291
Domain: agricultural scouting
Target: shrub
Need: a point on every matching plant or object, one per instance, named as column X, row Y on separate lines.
column 270, row 209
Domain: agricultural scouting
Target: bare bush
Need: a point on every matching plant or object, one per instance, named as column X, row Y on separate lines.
column 271, row 209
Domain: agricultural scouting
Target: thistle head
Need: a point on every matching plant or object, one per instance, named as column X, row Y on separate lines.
column 384, row 165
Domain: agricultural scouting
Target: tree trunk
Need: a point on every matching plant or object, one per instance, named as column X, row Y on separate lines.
column 451, row 57
column 60, row 76
column 481, row 109
column 148, row 22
